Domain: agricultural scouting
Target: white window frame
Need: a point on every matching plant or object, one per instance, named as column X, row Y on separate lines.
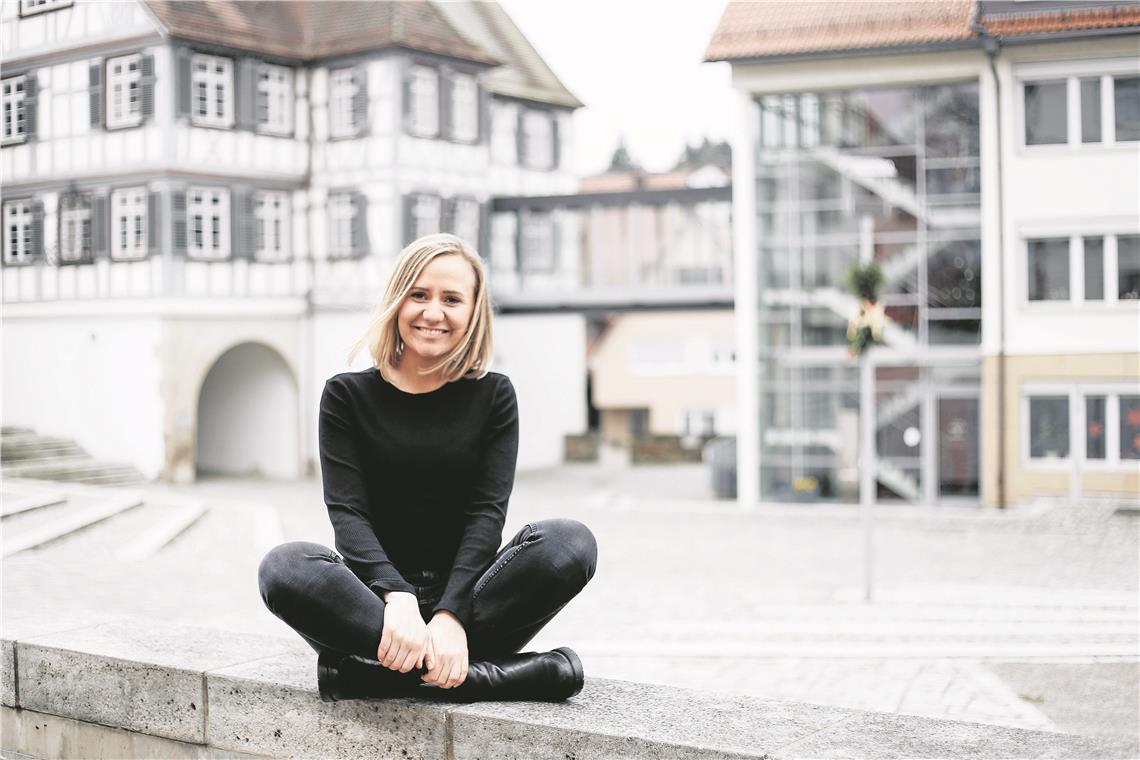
column 275, row 89
column 1076, row 235
column 427, row 215
column 207, row 74
column 74, row 232
column 342, row 225
column 15, row 116
column 18, row 249
column 271, row 225
column 1076, row 394
column 342, row 100
column 538, row 139
column 208, row 223
column 32, row 7
column 542, row 223
column 464, row 108
column 424, row 108
column 129, row 223
column 466, row 220
column 124, row 91
column 1072, row 72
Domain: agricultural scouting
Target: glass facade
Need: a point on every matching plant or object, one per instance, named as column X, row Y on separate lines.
column 891, row 174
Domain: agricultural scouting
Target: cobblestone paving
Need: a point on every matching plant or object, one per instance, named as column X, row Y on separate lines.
column 974, row 611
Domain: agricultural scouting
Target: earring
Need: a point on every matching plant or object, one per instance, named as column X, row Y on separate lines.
column 399, row 346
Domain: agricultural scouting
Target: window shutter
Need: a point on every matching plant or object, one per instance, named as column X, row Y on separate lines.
column 246, row 96
column 360, row 224
column 249, row 225
column 99, row 218
column 409, row 218
column 153, row 200
column 183, row 95
column 484, row 99
column 447, row 212
column 444, row 87
column 484, row 237
column 178, row 211
column 95, row 90
column 555, row 143
column 238, row 223
column 360, row 100
column 407, row 97
column 30, row 110
column 146, row 67
column 520, row 138
column 37, row 248
column 555, row 242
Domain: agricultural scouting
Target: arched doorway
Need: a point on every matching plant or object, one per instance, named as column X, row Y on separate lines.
column 247, row 416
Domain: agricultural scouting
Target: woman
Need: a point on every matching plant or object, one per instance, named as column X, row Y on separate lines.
column 418, row 460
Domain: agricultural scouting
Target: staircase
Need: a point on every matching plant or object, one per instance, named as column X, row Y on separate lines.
column 25, row 454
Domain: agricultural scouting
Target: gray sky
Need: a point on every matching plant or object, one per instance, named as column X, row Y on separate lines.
column 636, row 64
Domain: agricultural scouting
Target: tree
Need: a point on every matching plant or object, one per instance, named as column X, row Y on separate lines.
column 621, row 160
column 715, row 153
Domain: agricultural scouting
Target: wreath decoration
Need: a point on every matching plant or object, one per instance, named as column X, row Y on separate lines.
column 865, row 328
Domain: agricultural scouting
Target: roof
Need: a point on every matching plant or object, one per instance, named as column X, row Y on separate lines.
column 480, row 32
column 525, row 74
column 757, row 30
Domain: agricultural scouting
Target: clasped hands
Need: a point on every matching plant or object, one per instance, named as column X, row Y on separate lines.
column 407, row 642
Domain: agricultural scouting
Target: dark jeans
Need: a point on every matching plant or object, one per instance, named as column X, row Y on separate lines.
column 542, row 568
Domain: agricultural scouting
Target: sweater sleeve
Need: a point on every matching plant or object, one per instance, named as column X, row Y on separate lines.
column 347, row 497
column 486, row 509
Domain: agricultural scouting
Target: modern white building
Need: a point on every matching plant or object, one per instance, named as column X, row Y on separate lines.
column 986, row 154
column 202, row 200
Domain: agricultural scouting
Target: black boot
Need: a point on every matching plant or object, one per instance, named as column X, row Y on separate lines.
column 539, row 676
column 341, row 676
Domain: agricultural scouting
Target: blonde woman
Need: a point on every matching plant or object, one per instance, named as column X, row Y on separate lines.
column 418, row 461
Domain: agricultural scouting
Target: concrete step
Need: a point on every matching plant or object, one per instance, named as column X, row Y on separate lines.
column 62, row 521
column 6, row 430
column 15, row 503
column 78, row 469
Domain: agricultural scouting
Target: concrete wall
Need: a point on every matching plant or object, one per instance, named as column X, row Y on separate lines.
column 1026, row 480
column 91, row 377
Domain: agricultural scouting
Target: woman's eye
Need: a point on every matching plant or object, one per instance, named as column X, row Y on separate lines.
column 452, row 299
column 418, row 296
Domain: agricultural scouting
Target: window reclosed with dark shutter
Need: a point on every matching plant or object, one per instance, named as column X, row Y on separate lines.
column 152, row 220
column 520, row 136
column 409, row 219
column 99, row 218
column 239, row 223
column 183, row 94
column 360, row 244
column 178, row 211
column 360, row 99
column 36, row 249
column 555, row 142
column 245, row 93
column 146, row 85
column 446, row 82
column 447, row 214
column 95, row 93
column 30, row 109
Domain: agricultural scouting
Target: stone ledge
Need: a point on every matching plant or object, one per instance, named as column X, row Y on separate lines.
column 136, row 688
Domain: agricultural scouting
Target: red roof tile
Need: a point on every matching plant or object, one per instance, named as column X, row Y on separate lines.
column 1072, row 19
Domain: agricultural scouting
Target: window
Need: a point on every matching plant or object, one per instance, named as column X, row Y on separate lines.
column 1128, row 267
column 1090, row 110
column 124, row 91
column 466, row 222
column 18, row 245
column 1126, row 93
column 342, row 96
column 1049, row 427
column 212, row 91
column 1095, row 409
column 29, row 7
column 425, row 215
column 128, row 223
column 208, row 218
column 74, row 229
column 1094, row 268
column 1049, row 269
column 424, row 93
column 15, row 113
column 538, row 140
column 464, row 108
column 342, row 224
column 271, row 225
column 537, row 243
column 275, row 98
column 1129, row 427
column 1045, row 113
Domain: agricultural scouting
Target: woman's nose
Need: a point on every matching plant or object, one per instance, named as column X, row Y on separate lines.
column 433, row 311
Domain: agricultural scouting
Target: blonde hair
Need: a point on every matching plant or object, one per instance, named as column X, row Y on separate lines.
column 472, row 357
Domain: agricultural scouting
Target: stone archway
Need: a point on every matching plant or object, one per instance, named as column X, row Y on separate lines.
column 247, row 422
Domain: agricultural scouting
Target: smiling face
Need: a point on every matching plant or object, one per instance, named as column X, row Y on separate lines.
column 434, row 315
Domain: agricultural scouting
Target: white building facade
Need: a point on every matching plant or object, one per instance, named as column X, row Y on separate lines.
column 199, row 212
column 986, row 156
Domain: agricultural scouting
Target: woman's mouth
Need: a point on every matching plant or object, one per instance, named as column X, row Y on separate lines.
column 431, row 331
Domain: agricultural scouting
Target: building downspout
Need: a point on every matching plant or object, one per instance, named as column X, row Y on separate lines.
column 992, row 46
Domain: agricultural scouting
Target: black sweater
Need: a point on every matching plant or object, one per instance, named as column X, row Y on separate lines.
column 418, row 481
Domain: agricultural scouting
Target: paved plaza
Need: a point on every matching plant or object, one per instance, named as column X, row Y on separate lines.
column 1026, row 618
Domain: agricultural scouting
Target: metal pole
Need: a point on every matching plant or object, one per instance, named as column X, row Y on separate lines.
column 867, row 465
